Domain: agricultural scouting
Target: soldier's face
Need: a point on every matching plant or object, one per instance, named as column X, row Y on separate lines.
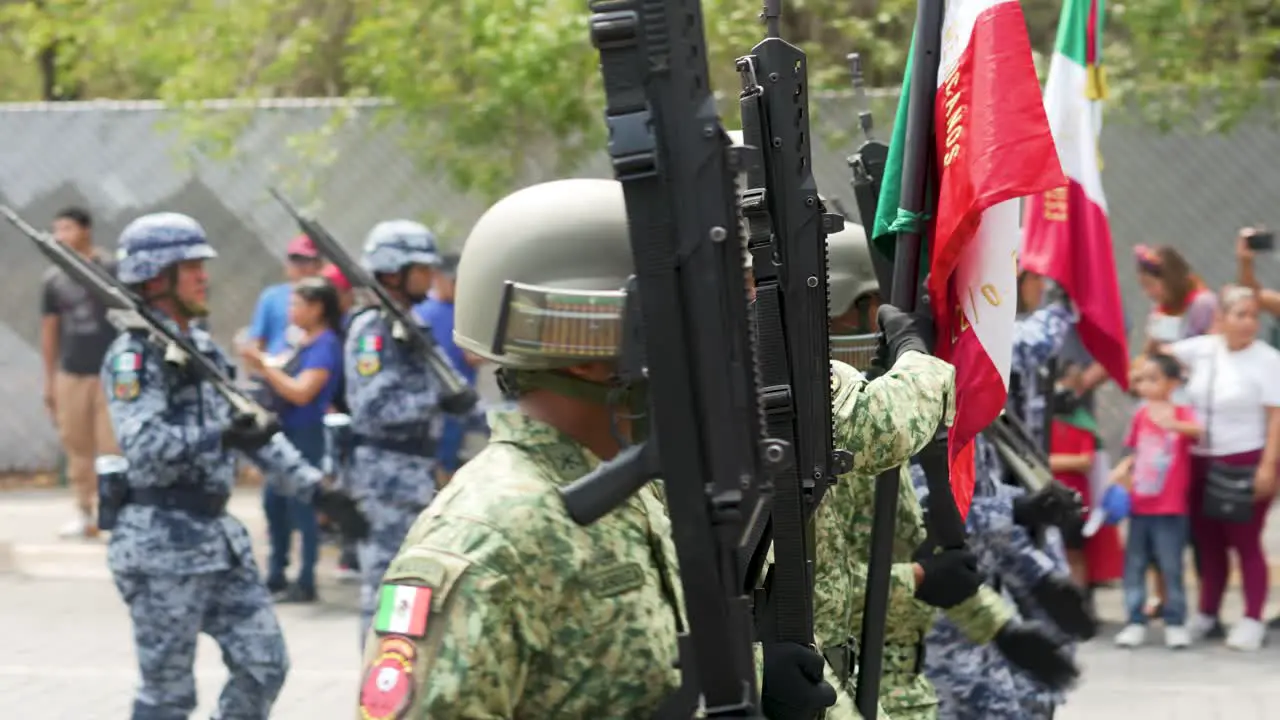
column 192, row 284
column 417, row 281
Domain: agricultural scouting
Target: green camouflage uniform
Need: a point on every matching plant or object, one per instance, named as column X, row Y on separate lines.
column 532, row 615
column 883, row 423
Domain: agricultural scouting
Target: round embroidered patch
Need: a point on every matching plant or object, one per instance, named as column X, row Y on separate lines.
column 368, row 364
column 388, row 686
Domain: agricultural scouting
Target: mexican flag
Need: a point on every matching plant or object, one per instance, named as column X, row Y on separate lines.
column 1067, row 236
column 993, row 146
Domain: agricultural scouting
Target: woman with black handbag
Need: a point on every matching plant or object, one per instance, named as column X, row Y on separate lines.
column 1235, row 387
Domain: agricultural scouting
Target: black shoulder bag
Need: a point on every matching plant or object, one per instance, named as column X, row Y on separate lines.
column 1228, row 489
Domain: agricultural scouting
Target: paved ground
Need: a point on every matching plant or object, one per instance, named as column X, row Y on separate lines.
column 67, row 653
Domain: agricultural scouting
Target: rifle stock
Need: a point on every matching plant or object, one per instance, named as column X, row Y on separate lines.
column 787, row 227
column 668, row 147
column 130, row 312
column 458, row 397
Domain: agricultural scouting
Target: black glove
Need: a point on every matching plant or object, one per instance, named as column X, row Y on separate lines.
column 950, row 577
column 344, row 513
column 1031, row 650
column 902, row 332
column 244, row 433
column 793, row 685
column 1055, row 504
column 1067, row 605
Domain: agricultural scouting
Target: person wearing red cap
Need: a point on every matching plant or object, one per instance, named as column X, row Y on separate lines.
column 271, row 316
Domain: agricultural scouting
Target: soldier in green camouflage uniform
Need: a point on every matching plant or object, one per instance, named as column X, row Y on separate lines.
column 498, row 604
column 883, row 422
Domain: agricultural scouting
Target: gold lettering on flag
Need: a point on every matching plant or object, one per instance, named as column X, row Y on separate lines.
column 953, row 119
column 1055, row 204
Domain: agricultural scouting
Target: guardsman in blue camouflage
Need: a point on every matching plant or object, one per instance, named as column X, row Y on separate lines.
column 975, row 681
column 181, row 563
column 393, row 400
column 1038, row 336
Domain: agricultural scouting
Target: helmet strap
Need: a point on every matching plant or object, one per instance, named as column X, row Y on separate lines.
column 633, row 399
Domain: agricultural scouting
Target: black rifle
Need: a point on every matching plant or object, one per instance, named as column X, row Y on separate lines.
column 129, row 312
column 458, row 397
column 787, row 229
column 945, row 524
column 867, row 166
column 678, row 173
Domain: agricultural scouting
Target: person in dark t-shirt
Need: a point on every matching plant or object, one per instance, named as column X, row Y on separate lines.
column 74, row 336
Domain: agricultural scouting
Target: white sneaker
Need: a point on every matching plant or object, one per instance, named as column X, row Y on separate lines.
column 1200, row 626
column 81, row 527
column 1132, row 636
column 1247, row 635
column 1176, row 637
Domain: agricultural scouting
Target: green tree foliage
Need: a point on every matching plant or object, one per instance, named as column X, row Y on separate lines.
column 484, row 85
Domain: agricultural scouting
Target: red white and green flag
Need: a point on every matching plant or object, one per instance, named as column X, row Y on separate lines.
column 993, row 147
column 403, row 610
column 1067, row 235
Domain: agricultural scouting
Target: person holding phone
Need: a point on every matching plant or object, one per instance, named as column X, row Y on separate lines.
column 1249, row 242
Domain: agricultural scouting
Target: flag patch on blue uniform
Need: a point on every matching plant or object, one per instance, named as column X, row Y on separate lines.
column 125, row 383
column 369, row 356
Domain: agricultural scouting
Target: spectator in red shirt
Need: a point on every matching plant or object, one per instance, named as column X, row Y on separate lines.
column 1159, row 476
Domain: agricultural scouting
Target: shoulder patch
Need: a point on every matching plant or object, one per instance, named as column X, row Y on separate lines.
column 403, row 610
column 126, row 373
column 369, row 355
column 388, row 683
column 616, row 579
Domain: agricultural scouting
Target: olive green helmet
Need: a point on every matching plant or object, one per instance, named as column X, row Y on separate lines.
column 541, row 280
column 849, row 270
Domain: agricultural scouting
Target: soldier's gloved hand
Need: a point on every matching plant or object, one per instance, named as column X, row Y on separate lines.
column 902, row 332
column 948, row 578
column 246, row 434
column 793, row 684
column 1055, row 504
column 1067, row 605
column 1032, row 650
column 343, row 511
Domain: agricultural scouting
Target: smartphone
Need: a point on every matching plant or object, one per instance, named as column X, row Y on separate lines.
column 1262, row 241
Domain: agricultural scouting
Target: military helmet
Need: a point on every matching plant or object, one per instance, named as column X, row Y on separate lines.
column 542, row 276
column 154, row 242
column 850, row 272
column 393, row 245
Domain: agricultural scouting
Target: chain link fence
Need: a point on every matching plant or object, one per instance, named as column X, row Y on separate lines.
column 121, row 160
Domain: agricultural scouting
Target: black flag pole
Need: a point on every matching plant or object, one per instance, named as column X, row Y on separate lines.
column 904, row 294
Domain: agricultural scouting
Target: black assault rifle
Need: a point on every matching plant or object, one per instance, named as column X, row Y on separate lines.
column 787, row 228
column 678, row 174
column 458, row 397
column 129, row 312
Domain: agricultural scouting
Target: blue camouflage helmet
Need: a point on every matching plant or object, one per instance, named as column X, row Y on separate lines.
column 157, row 241
column 393, row 245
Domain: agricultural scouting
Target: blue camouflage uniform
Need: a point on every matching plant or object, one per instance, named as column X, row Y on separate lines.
column 393, row 399
column 977, row 681
column 181, row 564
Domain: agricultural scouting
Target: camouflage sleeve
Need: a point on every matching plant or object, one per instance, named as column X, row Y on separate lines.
column 981, row 616
column 1041, row 335
column 285, row 470
column 886, row 421
column 902, row 577
column 832, row 581
column 1016, row 558
column 383, row 390
column 138, row 404
column 472, row 658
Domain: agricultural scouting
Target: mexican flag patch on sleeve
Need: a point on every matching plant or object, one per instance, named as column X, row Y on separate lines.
column 403, row 610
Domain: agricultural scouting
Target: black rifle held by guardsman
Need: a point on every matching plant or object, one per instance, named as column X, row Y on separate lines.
column 458, row 398
column 867, row 166
column 128, row 312
column 787, row 230
column 677, row 170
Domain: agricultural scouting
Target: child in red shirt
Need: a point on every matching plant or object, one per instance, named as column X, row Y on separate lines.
column 1158, row 475
column 1099, row 558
